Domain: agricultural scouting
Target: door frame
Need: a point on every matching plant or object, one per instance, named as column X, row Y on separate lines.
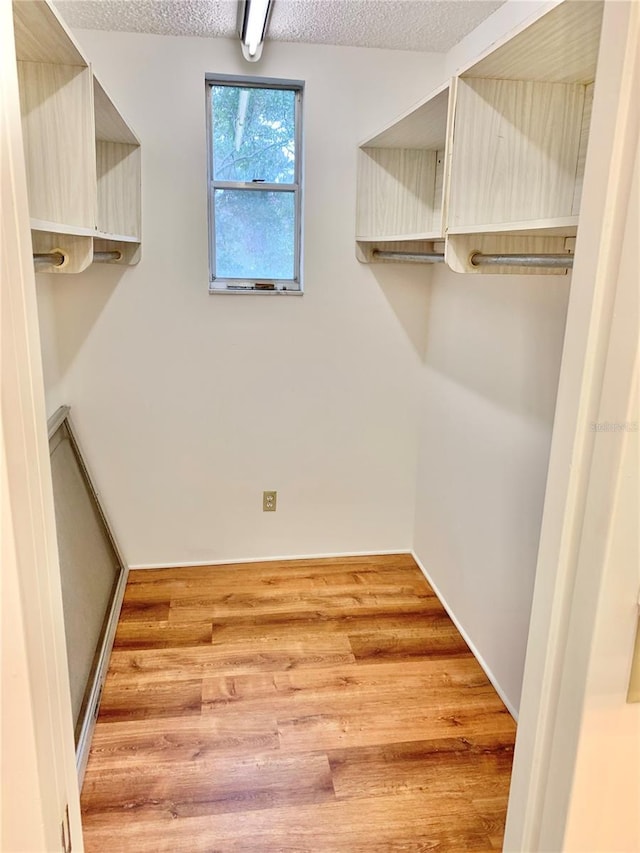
column 40, row 797
column 549, row 724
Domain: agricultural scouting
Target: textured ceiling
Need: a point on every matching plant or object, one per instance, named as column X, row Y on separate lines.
column 431, row 25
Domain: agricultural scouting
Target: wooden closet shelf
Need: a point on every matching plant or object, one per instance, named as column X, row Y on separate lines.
column 40, row 36
column 424, row 126
column 116, row 238
column 80, row 231
column 401, row 238
column 498, row 153
column 560, row 47
column 564, row 226
column 109, row 124
column 62, row 228
column 82, row 159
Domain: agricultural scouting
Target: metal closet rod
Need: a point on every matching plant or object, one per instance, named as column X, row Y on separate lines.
column 416, row 257
column 56, row 259
column 546, row 261
column 480, row 260
column 103, row 257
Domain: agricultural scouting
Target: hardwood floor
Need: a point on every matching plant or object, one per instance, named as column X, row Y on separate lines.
column 310, row 705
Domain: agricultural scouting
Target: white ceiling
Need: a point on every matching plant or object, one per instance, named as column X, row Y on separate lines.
column 430, row 25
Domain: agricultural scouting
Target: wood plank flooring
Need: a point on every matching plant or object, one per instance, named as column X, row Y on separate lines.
column 307, row 706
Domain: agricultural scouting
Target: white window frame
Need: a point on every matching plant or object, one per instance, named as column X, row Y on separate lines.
column 291, row 286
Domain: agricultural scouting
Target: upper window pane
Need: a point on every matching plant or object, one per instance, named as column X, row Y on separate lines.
column 253, row 134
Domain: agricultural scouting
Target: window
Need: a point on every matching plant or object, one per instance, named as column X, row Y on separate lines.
column 255, row 159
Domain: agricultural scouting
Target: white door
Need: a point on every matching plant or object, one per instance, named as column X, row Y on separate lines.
column 40, row 802
column 576, row 776
column 604, row 798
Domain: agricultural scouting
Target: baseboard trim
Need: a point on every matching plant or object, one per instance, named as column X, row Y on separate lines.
column 494, row 681
column 269, row 559
column 93, row 703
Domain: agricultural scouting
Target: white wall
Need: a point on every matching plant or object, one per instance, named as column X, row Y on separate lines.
column 46, row 286
column 487, row 398
column 188, row 405
column 488, row 391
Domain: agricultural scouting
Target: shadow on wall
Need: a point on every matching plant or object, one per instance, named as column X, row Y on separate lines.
column 402, row 285
column 69, row 306
column 500, row 336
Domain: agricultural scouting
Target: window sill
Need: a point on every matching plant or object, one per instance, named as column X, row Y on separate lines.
column 214, row 291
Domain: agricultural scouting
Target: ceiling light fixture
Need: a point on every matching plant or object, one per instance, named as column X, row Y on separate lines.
column 253, row 18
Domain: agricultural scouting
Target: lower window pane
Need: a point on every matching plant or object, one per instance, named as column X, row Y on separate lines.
column 255, row 234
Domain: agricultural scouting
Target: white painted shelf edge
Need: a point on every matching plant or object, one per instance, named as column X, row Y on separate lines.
column 61, row 228
column 117, row 238
column 80, row 231
column 402, row 238
column 564, row 226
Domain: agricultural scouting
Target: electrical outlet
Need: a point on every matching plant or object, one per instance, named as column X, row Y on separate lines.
column 269, row 501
